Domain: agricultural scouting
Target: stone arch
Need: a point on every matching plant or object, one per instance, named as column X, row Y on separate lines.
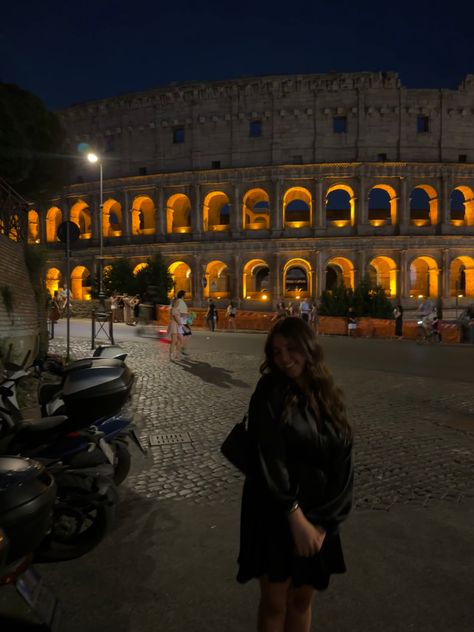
column 218, row 281
column 80, row 214
column 112, row 219
column 423, row 277
column 182, row 276
column 54, row 217
column 139, row 267
column 461, row 276
column 33, row 227
column 297, row 279
column 256, row 278
column 256, row 210
column 216, row 211
column 339, row 270
column 297, row 207
column 462, row 206
column 383, row 272
column 178, row 214
column 143, row 216
column 340, row 205
column 53, row 280
column 382, row 205
column 424, row 205
column 81, row 283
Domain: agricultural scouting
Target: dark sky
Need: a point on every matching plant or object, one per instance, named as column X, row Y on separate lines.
column 78, row 50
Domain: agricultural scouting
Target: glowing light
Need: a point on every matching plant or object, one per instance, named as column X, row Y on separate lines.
column 248, row 297
column 340, row 223
column 264, row 297
column 297, row 296
column 420, row 296
column 457, row 222
column 218, row 297
column 92, row 157
column 377, row 222
column 460, row 295
column 420, row 222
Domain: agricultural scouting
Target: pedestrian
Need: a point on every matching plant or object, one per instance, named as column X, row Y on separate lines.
column 128, row 302
column 120, row 308
column 113, row 306
column 174, row 330
column 398, row 315
column 314, row 318
column 185, row 320
column 65, row 297
column 281, row 311
column 305, row 309
column 298, row 486
column 55, row 309
column 231, row 314
column 351, row 322
column 135, row 305
column 211, row 315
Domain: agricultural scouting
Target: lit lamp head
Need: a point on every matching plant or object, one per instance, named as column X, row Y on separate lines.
column 92, row 157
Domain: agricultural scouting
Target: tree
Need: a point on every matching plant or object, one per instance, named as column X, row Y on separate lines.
column 31, row 145
column 154, row 281
column 366, row 299
column 118, row 276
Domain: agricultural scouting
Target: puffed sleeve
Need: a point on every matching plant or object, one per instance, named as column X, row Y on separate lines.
column 267, row 429
column 337, row 502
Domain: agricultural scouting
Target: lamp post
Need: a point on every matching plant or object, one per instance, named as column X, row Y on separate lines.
column 93, row 158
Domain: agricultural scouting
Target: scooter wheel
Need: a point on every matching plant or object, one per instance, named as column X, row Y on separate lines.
column 123, row 461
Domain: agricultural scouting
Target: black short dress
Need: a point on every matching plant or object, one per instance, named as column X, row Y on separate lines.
column 292, row 459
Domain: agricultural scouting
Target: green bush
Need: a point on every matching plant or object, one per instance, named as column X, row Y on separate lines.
column 366, row 299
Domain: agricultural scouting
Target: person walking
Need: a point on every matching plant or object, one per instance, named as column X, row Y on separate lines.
column 305, row 309
column 175, row 330
column 211, row 315
column 398, row 315
column 314, row 318
column 299, row 479
column 185, row 320
column 231, row 314
column 351, row 322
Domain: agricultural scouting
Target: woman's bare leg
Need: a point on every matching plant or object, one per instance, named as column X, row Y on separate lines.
column 272, row 606
column 298, row 611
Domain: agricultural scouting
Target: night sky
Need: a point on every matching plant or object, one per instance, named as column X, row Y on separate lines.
column 73, row 51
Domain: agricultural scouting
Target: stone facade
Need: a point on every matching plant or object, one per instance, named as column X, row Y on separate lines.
column 278, row 187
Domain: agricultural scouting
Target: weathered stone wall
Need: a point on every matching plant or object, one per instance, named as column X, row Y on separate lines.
column 297, row 121
column 20, row 326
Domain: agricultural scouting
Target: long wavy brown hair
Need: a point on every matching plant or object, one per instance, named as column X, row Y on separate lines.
column 321, row 388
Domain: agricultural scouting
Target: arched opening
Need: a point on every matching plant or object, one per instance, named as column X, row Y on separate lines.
column 54, row 217
column 181, row 275
column 383, row 272
column 178, row 214
column 382, row 205
column 461, row 278
column 112, row 219
column 81, row 283
column 33, row 227
column 423, row 206
column 216, row 211
column 256, row 280
column 139, row 267
column 339, row 270
column 462, row 206
column 256, row 210
column 53, row 280
column 424, row 278
column 297, row 207
column 297, row 279
column 143, row 216
column 80, row 214
column 340, row 206
column 217, row 277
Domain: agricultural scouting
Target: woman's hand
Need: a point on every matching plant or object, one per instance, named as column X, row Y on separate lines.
column 308, row 538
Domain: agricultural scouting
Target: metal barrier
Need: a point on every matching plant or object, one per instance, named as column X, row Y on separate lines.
column 102, row 323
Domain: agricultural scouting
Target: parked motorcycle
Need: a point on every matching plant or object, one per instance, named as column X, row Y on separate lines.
column 27, row 497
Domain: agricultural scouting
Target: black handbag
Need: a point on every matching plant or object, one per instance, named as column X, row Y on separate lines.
column 235, row 447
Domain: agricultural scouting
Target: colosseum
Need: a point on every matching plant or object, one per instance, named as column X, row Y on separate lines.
column 275, row 187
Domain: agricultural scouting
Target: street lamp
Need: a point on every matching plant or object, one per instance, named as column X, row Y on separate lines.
column 93, row 158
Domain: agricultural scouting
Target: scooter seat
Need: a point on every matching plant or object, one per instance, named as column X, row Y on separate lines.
column 43, row 423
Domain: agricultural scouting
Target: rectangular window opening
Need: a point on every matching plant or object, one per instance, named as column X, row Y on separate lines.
column 339, row 124
column 381, row 157
column 462, row 158
column 216, row 164
column 178, row 135
column 255, row 129
column 142, row 171
column 423, row 124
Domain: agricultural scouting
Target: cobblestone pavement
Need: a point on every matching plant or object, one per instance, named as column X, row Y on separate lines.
column 414, row 435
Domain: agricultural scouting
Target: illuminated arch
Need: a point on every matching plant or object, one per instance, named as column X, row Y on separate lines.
column 297, row 279
column 139, row 267
column 53, row 280
column 81, row 283
column 255, row 280
column 256, row 210
column 339, row 270
column 383, row 271
column 217, row 277
column 424, row 206
column 54, row 217
column 143, row 216
column 216, row 211
column 297, row 207
column 340, row 205
column 462, row 206
column 461, row 276
column 178, row 214
column 33, row 227
column 423, row 279
column 181, row 275
column 112, row 219
column 382, row 205
column 80, row 214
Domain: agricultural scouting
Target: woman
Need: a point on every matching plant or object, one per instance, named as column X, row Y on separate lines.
column 175, row 329
column 398, row 315
column 231, row 314
column 298, row 487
